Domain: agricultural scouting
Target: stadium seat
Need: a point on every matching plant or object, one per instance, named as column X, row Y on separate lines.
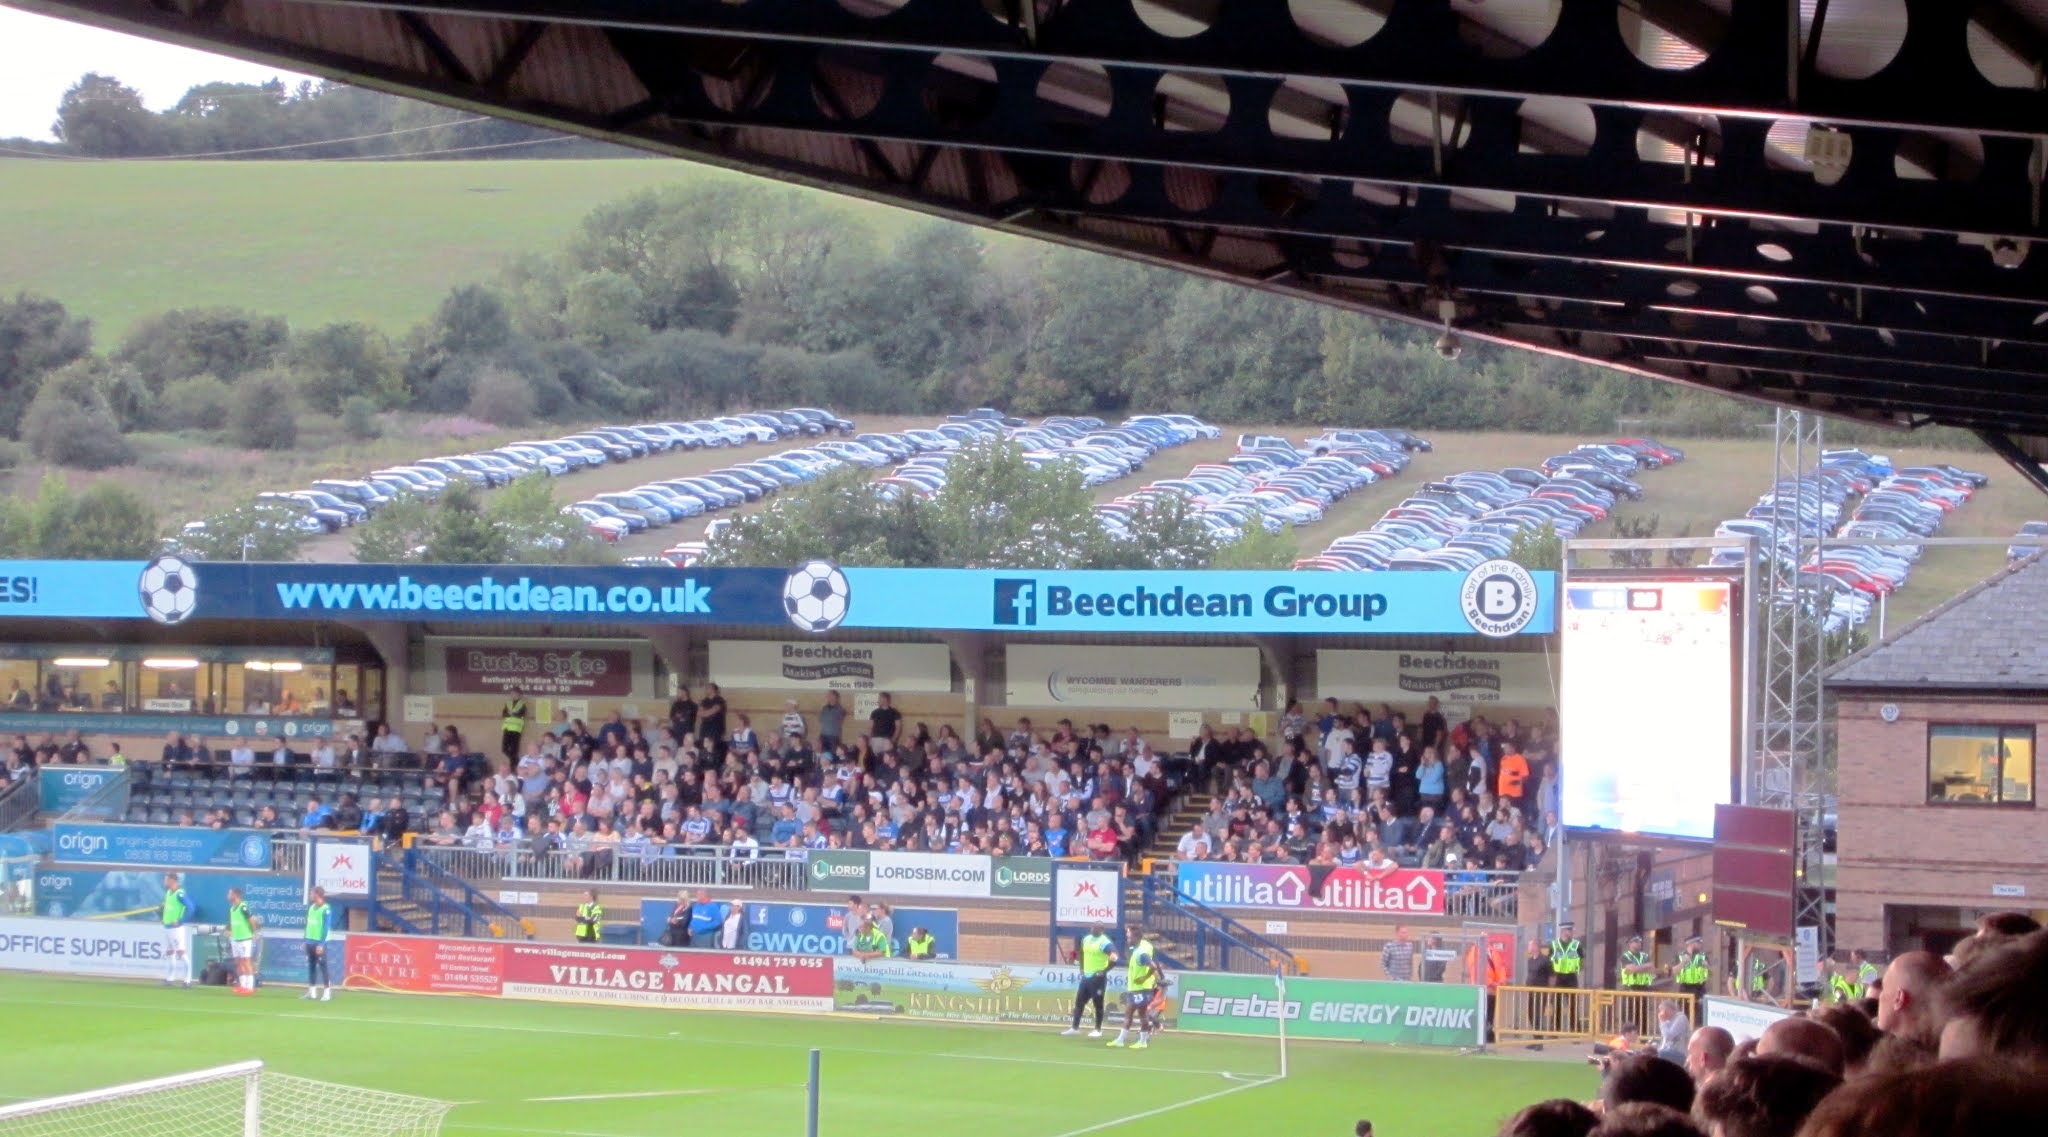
column 137, row 813
column 159, row 817
column 245, row 817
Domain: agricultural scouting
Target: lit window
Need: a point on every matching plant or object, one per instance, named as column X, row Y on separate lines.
column 1980, row 765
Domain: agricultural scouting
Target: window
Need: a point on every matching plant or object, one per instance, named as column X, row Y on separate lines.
column 1980, row 765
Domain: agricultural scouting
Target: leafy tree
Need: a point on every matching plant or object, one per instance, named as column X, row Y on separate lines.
column 602, row 310
column 1103, row 310
column 226, row 343
column 101, row 117
column 339, row 362
column 199, row 403
column 262, row 417
column 529, row 514
column 104, row 522
column 359, row 418
column 1163, row 535
column 397, row 533
column 463, row 534
column 70, row 423
column 1538, row 550
column 501, row 397
column 259, row 532
column 838, row 517
column 1258, row 548
column 37, row 336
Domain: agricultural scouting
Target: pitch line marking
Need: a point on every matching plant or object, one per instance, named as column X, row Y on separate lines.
column 623, row 1096
column 1155, row 1112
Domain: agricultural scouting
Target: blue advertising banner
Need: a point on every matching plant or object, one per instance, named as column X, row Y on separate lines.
column 168, row 847
column 203, row 726
column 813, row 929
column 1497, row 599
column 65, row 788
column 136, row 894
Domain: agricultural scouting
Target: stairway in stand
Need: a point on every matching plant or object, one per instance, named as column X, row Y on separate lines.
column 1186, row 812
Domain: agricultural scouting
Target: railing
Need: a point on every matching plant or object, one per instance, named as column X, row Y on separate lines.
column 1550, row 1014
column 19, row 804
column 1211, row 936
column 504, row 922
column 691, row 866
column 445, row 914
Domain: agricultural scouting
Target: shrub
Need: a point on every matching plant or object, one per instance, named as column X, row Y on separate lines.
column 359, row 418
column 198, row 403
column 502, row 397
column 262, row 418
column 71, row 435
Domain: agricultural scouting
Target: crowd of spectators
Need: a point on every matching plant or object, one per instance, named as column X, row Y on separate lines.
column 1377, row 791
column 1953, row 1046
column 1348, row 787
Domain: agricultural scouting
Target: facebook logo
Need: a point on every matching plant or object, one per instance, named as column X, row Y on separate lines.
column 1016, row 602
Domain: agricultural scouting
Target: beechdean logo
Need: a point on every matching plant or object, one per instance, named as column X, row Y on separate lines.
column 1499, row 598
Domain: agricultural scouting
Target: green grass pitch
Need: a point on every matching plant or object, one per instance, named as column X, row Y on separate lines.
column 653, row 1073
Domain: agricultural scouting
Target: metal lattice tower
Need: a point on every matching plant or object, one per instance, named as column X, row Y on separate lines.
column 1791, row 724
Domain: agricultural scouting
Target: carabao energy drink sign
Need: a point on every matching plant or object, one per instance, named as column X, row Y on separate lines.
column 1413, row 1014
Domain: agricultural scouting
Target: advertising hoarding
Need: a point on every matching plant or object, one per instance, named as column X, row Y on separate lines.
column 1104, row 675
column 499, row 668
column 1648, row 657
column 1461, row 680
column 112, row 948
column 1338, row 888
column 971, row 875
column 172, row 848
column 962, row 992
column 137, row 894
column 621, row 976
column 832, row 665
column 65, row 788
column 1408, row 1014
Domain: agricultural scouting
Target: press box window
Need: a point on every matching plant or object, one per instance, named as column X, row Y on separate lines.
column 1980, row 765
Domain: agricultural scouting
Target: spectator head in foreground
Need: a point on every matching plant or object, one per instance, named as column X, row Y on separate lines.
column 1912, row 987
column 1646, row 1119
column 1558, row 1117
column 1362, row 1129
column 1706, row 1053
column 1762, row 1097
column 1803, row 1038
column 1998, row 1005
column 1954, row 1099
column 1859, row 1035
column 1645, row 1078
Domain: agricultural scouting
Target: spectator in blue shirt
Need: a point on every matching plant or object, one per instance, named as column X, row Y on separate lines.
column 786, row 827
column 316, row 814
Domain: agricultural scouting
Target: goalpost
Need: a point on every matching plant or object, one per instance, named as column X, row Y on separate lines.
column 240, row 1100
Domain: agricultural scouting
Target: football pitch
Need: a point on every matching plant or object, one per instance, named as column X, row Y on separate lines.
column 590, row 1071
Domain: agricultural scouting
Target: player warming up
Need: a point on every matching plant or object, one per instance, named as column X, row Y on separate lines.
column 242, row 925
column 319, row 983
column 1096, row 955
column 177, row 916
column 1141, row 987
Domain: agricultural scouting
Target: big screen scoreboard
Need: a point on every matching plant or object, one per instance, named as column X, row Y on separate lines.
column 1649, row 703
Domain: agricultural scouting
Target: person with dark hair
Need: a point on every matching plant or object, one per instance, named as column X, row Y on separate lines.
column 1646, row 1119
column 1998, row 1006
column 1706, row 1053
column 1558, row 1117
column 1362, row 1129
column 1762, row 1097
column 1975, row 1098
column 1645, row 1078
column 1803, row 1038
column 2007, row 924
column 1858, row 1034
column 1897, row 1054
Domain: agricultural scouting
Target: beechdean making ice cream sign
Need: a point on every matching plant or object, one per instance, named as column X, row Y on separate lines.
column 1329, row 888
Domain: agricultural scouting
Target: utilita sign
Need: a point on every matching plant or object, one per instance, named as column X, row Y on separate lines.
column 1417, row 892
column 538, row 671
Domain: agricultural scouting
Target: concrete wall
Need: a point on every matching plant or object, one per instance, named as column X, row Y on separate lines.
column 1894, row 847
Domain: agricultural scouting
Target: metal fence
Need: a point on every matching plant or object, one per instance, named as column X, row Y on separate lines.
column 1551, row 1014
column 692, row 866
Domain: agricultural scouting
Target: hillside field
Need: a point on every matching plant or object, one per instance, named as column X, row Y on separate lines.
column 315, row 242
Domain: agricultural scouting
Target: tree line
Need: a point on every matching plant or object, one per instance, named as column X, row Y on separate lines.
column 101, row 117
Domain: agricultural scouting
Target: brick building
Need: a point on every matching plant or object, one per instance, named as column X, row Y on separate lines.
column 1939, row 815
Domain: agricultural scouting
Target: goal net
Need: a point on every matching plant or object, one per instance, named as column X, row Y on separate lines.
column 242, row 1100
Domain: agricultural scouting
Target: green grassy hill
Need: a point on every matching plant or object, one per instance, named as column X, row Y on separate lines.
column 379, row 242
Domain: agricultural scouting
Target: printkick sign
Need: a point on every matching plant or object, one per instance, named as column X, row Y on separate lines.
column 1084, row 895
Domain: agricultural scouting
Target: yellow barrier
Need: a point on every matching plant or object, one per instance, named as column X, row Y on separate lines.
column 1551, row 1014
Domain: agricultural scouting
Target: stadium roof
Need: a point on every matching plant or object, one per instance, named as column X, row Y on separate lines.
column 1822, row 204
